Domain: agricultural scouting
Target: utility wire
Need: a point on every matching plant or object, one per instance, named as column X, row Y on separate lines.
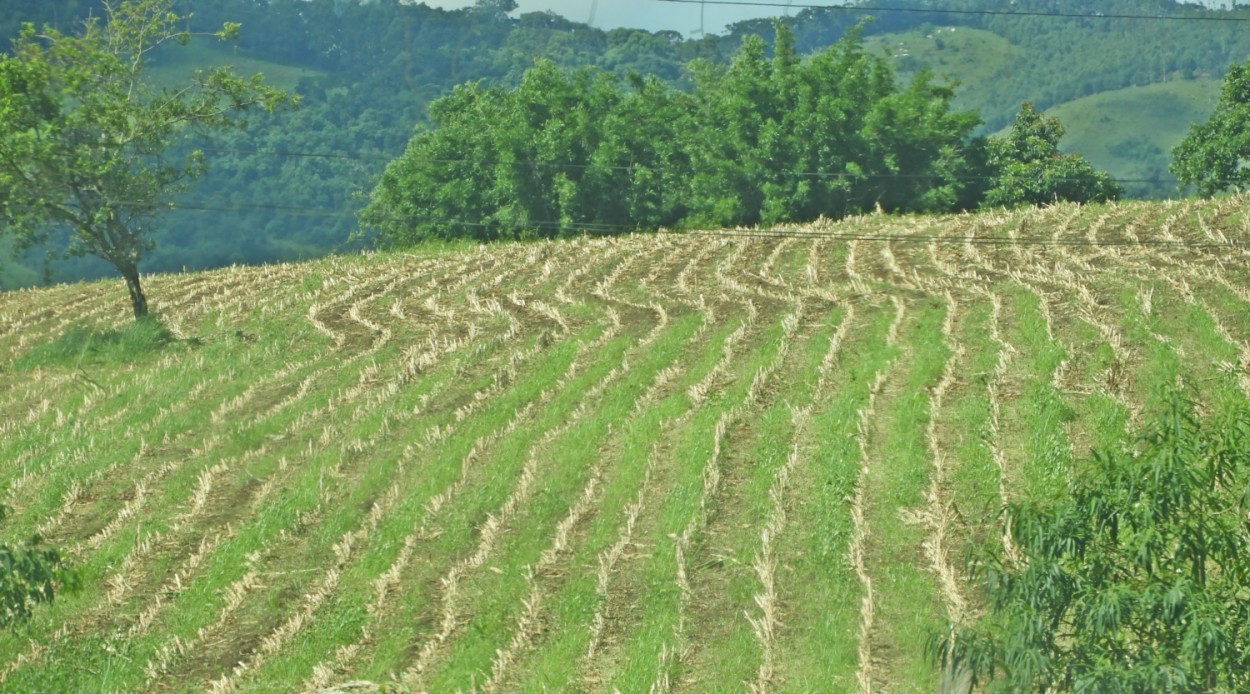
column 976, row 240
column 295, row 155
column 774, row 232
column 487, row 164
column 938, row 10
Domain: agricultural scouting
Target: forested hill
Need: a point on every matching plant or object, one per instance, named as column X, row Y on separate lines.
column 290, row 185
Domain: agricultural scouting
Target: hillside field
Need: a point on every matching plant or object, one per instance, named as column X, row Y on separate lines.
column 675, row 462
column 1130, row 133
column 176, row 65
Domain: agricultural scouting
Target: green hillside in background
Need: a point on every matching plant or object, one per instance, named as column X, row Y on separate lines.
column 1131, row 132
column 975, row 59
column 176, row 63
column 290, row 186
column 1128, row 132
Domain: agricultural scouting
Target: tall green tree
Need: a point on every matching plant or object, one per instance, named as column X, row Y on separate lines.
column 767, row 140
column 1027, row 167
column 790, row 139
column 1215, row 155
column 85, row 140
column 560, row 154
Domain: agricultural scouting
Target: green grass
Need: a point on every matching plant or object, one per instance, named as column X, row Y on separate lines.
column 676, row 506
column 908, row 607
column 267, row 448
column 177, row 64
column 1130, row 132
column 820, row 642
column 564, row 473
column 974, row 477
column 81, row 346
column 555, row 663
column 1040, row 414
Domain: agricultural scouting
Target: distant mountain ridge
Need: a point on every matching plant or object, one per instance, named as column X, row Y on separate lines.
column 289, row 187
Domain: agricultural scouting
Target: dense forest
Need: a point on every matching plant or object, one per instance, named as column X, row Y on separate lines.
column 762, row 142
column 290, row 185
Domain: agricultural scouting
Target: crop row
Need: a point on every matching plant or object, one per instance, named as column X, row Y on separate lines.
column 663, row 462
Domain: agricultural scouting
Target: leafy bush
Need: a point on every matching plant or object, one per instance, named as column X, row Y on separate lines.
column 1139, row 582
column 1028, row 168
column 1213, row 156
column 29, row 575
column 766, row 140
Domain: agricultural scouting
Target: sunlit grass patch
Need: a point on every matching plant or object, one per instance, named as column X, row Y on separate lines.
column 81, row 345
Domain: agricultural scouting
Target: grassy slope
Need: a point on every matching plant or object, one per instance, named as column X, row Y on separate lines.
column 1130, row 132
column 683, row 461
column 1127, row 132
column 176, row 64
column 973, row 58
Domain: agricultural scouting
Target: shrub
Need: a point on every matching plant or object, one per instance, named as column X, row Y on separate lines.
column 30, row 574
column 1139, row 581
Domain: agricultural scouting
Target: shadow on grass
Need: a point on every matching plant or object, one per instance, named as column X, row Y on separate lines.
column 80, row 345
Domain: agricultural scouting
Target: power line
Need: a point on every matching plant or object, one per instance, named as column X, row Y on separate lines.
column 614, row 229
column 297, row 155
column 536, row 164
column 935, row 10
column 975, row 240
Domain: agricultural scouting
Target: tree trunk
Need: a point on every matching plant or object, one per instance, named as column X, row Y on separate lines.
column 137, row 300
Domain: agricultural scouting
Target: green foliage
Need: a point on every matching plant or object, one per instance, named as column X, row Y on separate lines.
column 369, row 70
column 80, row 345
column 554, row 156
column 30, row 574
column 1028, row 168
column 1215, row 155
column 84, row 139
column 762, row 142
column 790, row 139
column 494, row 7
column 1137, row 581
column 1130, row 132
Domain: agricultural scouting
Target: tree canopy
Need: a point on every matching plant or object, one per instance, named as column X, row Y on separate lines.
column 84, row 139
column 1028, row 168
column 762, row 141
column 1215, row 155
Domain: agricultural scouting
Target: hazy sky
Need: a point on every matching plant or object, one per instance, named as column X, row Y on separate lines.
column 654, row 15
column 645, row 14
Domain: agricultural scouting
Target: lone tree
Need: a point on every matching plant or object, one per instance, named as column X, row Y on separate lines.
column 1029, row 169
column 1215, row 155
column 85, row 141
